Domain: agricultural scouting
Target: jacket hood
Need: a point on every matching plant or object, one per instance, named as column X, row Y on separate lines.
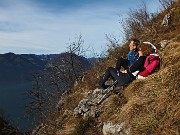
column 153, row 56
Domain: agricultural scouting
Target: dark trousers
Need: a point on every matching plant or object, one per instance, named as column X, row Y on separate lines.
column 123, row 78
column 121, row 62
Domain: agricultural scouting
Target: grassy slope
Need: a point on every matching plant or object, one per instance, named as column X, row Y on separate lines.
column 150, row 106
column 153, row 105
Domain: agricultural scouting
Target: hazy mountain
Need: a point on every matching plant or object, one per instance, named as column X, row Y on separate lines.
column 18, row 68
column 16, row 79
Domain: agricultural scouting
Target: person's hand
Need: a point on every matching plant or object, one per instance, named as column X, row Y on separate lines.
column 125, row 71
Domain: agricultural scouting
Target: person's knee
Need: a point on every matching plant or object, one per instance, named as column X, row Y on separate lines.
column 110, row 68
column 119, row 59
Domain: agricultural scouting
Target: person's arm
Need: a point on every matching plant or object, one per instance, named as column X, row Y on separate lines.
column 136, row 55
column 133, row 56
column 153, row 65
column 137, row 65
column 144, row 73
column 129, row 56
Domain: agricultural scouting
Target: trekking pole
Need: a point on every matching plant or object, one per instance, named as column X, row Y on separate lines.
column 107, row 90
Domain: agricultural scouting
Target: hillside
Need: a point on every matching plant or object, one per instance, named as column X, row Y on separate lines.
column 145, row 107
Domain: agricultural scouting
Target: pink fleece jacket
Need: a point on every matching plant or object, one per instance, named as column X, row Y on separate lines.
column 151, row 62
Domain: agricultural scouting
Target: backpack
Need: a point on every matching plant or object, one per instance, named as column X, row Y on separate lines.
column 152, row 64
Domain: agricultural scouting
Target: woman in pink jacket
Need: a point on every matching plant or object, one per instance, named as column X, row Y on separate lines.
column 151, row 64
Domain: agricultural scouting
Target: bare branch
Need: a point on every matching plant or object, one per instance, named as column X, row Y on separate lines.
column 166, row 3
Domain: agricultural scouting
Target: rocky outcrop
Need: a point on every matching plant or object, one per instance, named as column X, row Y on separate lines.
column 115, row 129
column 88, row 106
column 167, row 18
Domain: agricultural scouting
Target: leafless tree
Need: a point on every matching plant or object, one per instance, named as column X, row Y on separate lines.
column 75, row 49
column 57, row 78
column 70, row 65
column 36, row 97
column 112, row 41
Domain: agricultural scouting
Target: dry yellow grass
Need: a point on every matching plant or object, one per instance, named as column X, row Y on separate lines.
column 153, row 105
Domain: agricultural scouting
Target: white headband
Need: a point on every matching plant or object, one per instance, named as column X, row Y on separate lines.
column 153, row 46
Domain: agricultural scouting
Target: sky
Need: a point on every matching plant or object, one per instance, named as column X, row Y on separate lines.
column 48, row 26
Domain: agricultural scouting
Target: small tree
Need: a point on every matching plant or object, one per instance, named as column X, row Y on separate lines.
column 36, row 98
column 57, row 78
column 69, row 66
column 76, row 49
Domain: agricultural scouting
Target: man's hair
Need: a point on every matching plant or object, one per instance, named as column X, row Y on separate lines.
column 136, row 41
column 145, row 48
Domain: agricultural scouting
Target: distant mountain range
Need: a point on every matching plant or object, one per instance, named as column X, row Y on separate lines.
column 16, row 68
column 16, row 79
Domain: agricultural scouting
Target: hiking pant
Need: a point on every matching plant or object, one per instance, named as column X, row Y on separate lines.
column 122, row 62
column 123, row 78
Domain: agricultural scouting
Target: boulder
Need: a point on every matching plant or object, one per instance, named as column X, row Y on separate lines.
column 164, row 43
column 166, row 20
column 115, row 129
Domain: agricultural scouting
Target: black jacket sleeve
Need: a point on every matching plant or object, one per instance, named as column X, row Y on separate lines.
column 138, row 65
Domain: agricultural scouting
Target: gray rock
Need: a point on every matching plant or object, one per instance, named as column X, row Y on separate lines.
column 87, row 107
column 167, row 17
column 164, row 43
column 166, row 20
column 116, row 129
column 91, row 113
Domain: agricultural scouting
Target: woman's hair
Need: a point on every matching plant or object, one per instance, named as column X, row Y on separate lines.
column 145, row 48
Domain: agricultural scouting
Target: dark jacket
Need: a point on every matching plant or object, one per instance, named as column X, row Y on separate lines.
column 133, row 56
column 137, row 66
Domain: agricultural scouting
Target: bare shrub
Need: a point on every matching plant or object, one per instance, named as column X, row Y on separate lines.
column 115, row 48
column 166, row 3
column 136, row 19
column 140, row 23
column 112, row 41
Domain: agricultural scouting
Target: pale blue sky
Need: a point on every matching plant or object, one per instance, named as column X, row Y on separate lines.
column 46, row 26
